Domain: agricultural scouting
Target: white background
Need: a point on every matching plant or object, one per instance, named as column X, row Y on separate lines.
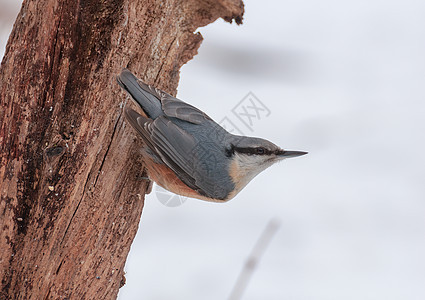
column 344, row 80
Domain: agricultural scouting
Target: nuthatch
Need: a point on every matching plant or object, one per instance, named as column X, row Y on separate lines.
column 189, row 154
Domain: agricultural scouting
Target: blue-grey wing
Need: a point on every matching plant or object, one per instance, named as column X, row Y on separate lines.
column 176, row 108
column 180, row 151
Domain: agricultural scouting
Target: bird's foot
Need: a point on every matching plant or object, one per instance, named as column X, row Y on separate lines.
column 144, row 176
column 149, row 188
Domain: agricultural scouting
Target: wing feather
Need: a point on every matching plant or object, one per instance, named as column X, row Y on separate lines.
column 176, row 108
column 174, row 146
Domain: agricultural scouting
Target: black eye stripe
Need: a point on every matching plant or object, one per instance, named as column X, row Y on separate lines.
column 250, row 151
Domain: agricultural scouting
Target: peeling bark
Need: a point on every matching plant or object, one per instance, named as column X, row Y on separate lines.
column 70, row 171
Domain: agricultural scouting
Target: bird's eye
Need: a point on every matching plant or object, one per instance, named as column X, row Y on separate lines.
column 230, row 151
column 261, row 151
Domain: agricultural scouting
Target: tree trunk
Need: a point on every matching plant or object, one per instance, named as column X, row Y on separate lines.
column 71, row 175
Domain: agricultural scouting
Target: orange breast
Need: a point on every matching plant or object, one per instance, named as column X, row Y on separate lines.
column 166, row 178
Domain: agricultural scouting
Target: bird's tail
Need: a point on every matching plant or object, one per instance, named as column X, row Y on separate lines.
column 145, row 96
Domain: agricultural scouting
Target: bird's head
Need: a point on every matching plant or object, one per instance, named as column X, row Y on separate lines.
column 250, row 156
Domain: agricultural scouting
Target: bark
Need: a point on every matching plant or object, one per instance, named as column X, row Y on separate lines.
column 71, row 175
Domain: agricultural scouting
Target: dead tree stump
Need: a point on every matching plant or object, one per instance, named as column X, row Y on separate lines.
column 70, row 170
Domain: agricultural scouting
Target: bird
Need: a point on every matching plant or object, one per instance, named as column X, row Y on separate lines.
column 188, row 153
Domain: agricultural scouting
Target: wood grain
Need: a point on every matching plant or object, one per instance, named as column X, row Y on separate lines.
column 70, row 168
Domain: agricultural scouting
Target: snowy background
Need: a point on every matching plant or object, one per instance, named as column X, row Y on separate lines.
column 343, row 80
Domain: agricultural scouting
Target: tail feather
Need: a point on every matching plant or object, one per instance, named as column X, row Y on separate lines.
column 141, row 93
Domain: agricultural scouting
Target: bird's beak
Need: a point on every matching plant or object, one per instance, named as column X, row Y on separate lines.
column 289, row 154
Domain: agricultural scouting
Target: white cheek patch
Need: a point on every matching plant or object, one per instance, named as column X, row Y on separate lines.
column 245, row 167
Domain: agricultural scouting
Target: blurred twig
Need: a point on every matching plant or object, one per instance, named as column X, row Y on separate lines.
column 253, row 259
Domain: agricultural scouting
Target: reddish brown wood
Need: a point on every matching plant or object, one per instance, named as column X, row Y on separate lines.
column 70, row 171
